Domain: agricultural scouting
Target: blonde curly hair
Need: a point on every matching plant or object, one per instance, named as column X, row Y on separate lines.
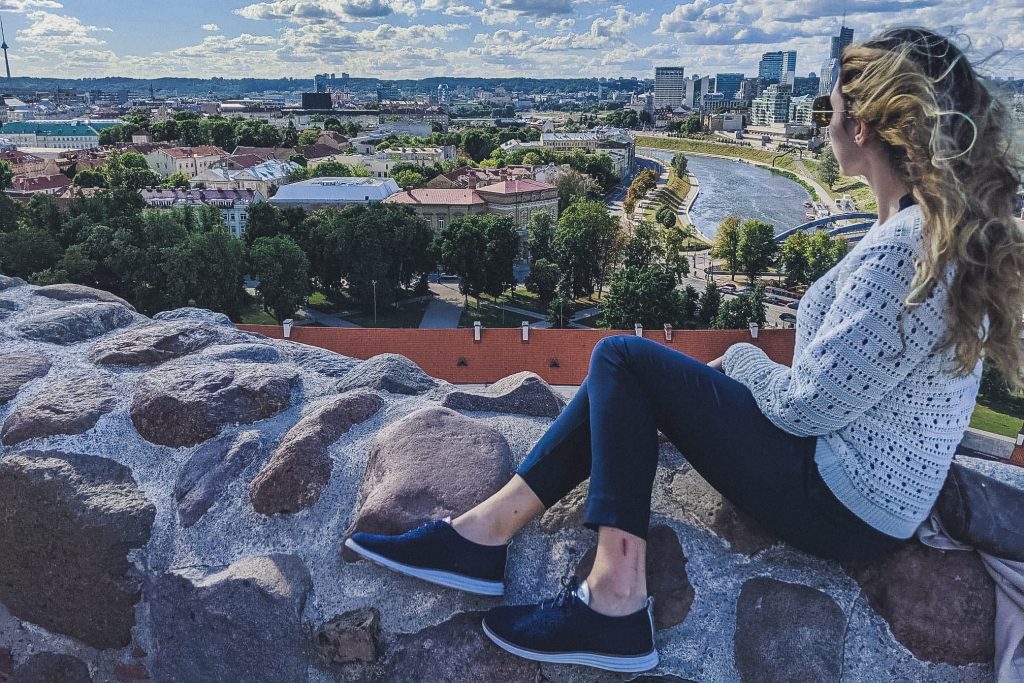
column 952, row 141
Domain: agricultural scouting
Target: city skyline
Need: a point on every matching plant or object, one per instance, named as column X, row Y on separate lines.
column 481, row 38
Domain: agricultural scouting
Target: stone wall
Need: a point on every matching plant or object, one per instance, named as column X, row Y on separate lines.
column 174, row 494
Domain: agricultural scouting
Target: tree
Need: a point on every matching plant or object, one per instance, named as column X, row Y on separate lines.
column 265, row 220
column 330, row 169
column 828, row 167
column 757, row 248
column 129, row 170
column 89, row 177
column 676, row 259
column 543, row 280
column 190, row 133
column 218, row 131
column 679, row 165
column 283, row 272
column 666, row 216
column 710, row 302
column 573, row 185
column 502, row 252
column 643, row 290
column 478, row 144
column 6, row 174
column 540, row 231
column 461, row 246
column 408, row 180
column 290, row 138
column 691, row 125
column 209, row 267
column 27, row 250
column 756, row 310
column 645, row 181
column 308, row 137
column 178, row 179
column 793, row 259
column 822, row 253
column 582, row 245
column 727, row 243
column 646, row 119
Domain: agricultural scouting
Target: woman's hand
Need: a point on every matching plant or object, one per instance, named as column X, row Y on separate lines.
column 716, row 363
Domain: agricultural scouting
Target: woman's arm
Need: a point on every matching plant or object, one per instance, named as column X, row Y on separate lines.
column 856, row 357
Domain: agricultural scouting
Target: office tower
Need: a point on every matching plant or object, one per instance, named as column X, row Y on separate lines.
column 668, row 86
column 788, row 67
column 777, row 67
column 728, row 84
column 696, row 87
column 749, row 89
column 830, row 68
column 839, row 42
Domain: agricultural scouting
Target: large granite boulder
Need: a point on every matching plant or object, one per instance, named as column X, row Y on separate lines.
column 350, row 637
column 68, row 524
column 70, row 406
column 210, row 470
column 523, row 393
column 431, row 463
column 47, row 667
column 240, row 624
column 6, row 282
column 7, row 308
column 388, row 372
column 198, row 315
column 702, row 504
column 76, row 323
column 153, row 343
column 939, row 604
column 300, row 468
column 183, row 405
column 787, row 632
column 18, row 369
column 322, row 361
column 455, row 650
column 67, row 291
column 243, row 353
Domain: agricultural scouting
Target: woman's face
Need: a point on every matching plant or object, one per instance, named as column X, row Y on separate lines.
column 841, row 130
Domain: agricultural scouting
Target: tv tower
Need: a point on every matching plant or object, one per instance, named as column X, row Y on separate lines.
column 3, row 46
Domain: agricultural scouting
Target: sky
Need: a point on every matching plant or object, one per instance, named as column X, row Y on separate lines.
column 483, row 38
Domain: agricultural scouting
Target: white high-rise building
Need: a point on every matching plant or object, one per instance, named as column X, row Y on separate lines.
column 669, row 86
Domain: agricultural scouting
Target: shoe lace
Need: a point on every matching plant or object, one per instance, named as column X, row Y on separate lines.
column 565, row 596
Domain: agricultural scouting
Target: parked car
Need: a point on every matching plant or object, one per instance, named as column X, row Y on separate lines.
column 795, row 305
column 448, row 277
column 788, row 318
column 727, row 287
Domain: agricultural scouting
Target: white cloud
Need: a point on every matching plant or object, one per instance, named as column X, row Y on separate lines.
column 19, row 6
column 210, row 27
column 49, row 32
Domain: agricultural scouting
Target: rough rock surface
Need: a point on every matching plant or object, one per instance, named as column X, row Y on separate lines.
column 210, row 470
column 183, row 405
column 707, row 506
column 431, row 463
column 350, row 637
column 18, row 369
column 939, row 604
column 7, row 308
column 69, row 406
column 153, row 343
column 455, row 650
column 240, row 624
column 80, row 534
column 388, row 372
column 69, row 521
column 300, row 468
column 52, row 668
column 667, row 581
column 523, row 393
column 201, row 315
column 66, row 291
column 787, row 632
column 75, row 323
column 7, row 282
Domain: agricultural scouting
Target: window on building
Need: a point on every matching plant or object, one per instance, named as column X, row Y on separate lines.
column 440, row 223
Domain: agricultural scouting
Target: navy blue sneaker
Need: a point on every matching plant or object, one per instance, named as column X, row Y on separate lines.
column 565, row 630
column 435, row 552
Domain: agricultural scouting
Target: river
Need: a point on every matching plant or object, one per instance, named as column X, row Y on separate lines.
column 733, row 187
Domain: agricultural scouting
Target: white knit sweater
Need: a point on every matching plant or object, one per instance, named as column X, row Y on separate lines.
column 888, row 418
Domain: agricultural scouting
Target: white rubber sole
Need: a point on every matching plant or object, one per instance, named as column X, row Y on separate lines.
column 436, row 576
column 607, row 662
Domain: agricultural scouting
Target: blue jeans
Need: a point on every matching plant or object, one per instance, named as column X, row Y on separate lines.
column 609, row 432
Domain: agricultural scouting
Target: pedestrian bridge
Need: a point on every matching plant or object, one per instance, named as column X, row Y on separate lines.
column 819, row 222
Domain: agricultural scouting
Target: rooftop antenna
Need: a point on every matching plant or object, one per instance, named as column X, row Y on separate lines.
column 3, row 47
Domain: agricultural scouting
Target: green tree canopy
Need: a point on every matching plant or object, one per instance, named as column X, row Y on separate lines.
column 757, row 248
column 726, row 244
column 283, row 272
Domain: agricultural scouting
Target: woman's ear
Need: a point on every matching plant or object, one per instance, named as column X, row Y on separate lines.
column 861, row 133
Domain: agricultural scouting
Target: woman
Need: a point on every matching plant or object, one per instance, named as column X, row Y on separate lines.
column 844, row 453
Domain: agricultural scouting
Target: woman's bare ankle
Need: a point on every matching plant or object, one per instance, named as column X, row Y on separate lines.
column 478, row 530
column 615, row 601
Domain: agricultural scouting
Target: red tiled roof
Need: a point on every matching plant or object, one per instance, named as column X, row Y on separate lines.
column 19, row 157
column 516, row 186
column 559, row 356
column 317, row 151
column 40, row 184
column 441, row 197
column 246, row 160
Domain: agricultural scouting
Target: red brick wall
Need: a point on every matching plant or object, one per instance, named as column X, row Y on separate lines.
column 502, row 352
column 1017, row 457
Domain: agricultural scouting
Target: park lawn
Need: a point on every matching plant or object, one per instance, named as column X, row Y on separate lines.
column 524, row 299
column 1004, row 418
column 490, row 315
column 857, row 189
column 253, row 314
column 405, row 314
column 719, row 148
column 336, row 303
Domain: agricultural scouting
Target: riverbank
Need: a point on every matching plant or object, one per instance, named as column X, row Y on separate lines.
column 860, row 192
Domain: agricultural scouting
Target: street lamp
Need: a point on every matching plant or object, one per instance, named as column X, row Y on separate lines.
column 374, row 302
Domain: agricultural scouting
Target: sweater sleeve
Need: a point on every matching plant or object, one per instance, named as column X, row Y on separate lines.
column 855, row 357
